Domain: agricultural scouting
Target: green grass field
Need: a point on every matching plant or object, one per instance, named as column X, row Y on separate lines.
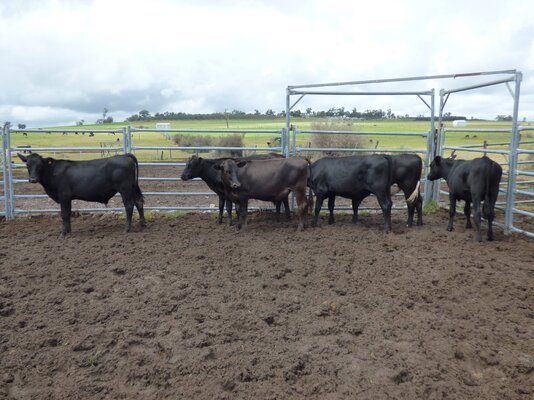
column 159, row 138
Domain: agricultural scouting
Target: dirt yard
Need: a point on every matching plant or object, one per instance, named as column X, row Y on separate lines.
column 188, row 309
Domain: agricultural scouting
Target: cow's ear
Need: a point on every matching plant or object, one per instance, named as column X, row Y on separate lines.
column 218, row 167
column 241, row 164
column 437, row 160
column 49, row 161
column 23, row 158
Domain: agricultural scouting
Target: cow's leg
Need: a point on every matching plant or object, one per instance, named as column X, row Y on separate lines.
column 467, row 213
column 452, row 212
column 477, row 217
column 355, row 205
column 65, row 217
column 318, row 205
column 411, row 210
column 221, row 209
column 139, row 204
column 127, row 199
column 229, row 212
column 278, row 205
column 286, row 208
column 243, row 211
column 384, row 200
column 489, row 214
column 419, row 208
column 302, row 204
column 331, row 205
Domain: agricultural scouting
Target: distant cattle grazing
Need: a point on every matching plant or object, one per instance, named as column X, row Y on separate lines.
column 267, row 180
column 204, row 168
column 94, row 180
column 474, row 181
column 355, row 178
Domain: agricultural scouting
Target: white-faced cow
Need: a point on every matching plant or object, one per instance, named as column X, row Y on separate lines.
column 94, row 180
column 203, row 168
column 267, row 180
column 474, row 181
column 355, row 178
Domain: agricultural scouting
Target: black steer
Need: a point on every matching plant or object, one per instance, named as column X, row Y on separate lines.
column 203, row 168
column 267, row 180
column 355, row 178
column 95, row 180
column 406, row 173
column 473, row 181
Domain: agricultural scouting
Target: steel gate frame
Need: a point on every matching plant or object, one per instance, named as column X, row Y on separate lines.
column 128, row 146
column 436, row 137
column 303, row 90
column 512, row 152
column 5, row 181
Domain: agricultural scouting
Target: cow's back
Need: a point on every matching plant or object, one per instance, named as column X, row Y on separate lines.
column 96, row 180
column 271, row 179
column 351, row 176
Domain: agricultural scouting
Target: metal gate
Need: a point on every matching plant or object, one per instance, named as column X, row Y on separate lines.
column 516, row 192
column 124, row 141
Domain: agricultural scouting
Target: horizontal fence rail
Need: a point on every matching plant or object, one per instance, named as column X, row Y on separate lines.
column 127, row 143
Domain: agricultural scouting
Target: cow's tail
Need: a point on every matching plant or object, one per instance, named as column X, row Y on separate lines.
column 415, row 195
column 490, row 172
column 137, row 189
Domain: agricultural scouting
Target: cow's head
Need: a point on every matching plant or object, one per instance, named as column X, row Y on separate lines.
column 228, row 170
column 192, row 168
column 35, row 164
column 438, row 168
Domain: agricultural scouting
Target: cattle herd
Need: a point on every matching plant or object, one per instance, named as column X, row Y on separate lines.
column 272, row 178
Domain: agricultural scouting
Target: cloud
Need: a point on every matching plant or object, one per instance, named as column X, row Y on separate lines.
column 62, row 59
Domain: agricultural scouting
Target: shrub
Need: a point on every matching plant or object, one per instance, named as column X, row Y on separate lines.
column 346, row 141
column 234, row 140
column 193, row 141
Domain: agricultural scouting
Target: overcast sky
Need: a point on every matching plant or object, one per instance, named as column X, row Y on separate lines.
column 62, row 61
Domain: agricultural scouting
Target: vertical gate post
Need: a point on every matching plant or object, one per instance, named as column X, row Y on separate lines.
column 512, row 160
column 4, row 174
column 124, row 140
column 439, row 138
column 7, row 160
column 285, row 142
column 430, row 151
column 129, row 137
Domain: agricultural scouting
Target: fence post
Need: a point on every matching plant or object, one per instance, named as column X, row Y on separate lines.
column 430, row 152
column 4, row 174
column 512, row 162
column 124, row 140
column 7, row 160
column 285, row 142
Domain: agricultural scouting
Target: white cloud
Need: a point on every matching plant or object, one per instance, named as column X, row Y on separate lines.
column 67, row 58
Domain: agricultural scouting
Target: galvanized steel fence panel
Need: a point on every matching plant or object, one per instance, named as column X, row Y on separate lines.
column 128, row 146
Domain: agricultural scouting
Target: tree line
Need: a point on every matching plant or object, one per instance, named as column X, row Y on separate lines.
column 341, row 112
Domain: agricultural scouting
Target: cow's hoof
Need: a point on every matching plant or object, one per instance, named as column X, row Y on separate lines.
column 450, row 229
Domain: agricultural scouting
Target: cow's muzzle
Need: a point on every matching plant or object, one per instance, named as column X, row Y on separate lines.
column 235, row 185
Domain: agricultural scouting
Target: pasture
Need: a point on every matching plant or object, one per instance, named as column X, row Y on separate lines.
column 191, row 309
column 158, row 138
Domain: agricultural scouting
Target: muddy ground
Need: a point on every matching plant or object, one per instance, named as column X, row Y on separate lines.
column 190, row 309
